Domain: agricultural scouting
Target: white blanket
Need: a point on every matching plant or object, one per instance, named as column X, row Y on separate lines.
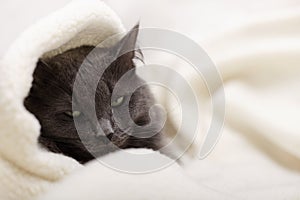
column 26, row 169
column 258, row 155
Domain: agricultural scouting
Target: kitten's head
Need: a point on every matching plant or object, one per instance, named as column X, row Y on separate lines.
column 50, row 100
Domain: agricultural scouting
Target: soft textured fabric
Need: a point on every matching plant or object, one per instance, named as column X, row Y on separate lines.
column 98, row 182
column 26, row 169
column 257, row 156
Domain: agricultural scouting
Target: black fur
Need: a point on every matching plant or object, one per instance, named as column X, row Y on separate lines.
column 50, row 98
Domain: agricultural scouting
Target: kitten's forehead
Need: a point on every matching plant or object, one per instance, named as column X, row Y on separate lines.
column 89, row 72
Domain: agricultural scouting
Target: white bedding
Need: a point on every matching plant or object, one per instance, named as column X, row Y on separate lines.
column 26, row 169
column 258, row 155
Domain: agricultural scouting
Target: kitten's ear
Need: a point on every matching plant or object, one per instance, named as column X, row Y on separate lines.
column 42, row 68
column 127, row 44
column 42, row 63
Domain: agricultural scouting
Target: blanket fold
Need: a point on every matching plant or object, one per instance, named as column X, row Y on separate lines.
column 259, row 149
column 22, row 161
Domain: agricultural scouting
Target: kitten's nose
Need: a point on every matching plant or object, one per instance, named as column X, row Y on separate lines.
column 106, row 127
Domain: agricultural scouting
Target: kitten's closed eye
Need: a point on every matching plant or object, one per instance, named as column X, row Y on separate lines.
column 117, row 102
column 73, row 114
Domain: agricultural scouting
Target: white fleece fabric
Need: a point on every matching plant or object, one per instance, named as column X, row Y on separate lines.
column 25, row 169
column 257, row 157
column 98, row 182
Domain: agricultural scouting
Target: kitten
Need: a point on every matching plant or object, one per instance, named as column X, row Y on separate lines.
column 50, row 100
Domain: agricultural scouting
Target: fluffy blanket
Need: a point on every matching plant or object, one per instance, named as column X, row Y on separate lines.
column 258, row 155
column 26, row 170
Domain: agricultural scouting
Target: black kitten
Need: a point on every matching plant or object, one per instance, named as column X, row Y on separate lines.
column 50, row 100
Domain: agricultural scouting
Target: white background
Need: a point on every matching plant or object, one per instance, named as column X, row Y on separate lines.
column 195, row 18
